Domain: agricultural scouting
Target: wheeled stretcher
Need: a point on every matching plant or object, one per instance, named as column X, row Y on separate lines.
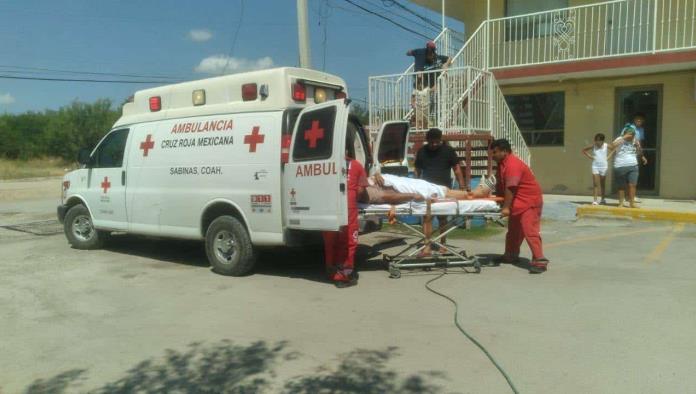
column 447, row 256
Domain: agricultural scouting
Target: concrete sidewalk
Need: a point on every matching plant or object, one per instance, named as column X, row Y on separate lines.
column 651, row 209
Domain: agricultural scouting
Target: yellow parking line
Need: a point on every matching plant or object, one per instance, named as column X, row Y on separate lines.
column 605, row 236
column 666, row 241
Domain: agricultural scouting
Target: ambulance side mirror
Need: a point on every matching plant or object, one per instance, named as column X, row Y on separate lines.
column 83, row 156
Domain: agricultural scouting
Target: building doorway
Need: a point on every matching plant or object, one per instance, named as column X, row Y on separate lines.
column 646, row 101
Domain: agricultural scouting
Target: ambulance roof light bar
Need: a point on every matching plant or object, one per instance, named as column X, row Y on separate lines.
column 299, row 92
column 155, row 103
column 249, row 92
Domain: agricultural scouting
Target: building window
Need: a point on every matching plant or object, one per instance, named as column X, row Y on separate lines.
column 540, row 117
column 532, row 26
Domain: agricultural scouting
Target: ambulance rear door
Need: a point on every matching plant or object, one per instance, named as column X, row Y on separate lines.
column 315, row 175
column 389, row 151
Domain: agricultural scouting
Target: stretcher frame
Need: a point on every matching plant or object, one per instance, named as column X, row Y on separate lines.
column 447, row 256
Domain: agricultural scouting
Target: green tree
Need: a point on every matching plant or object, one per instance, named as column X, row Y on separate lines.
column 78, row 125
column 361, row 112
column 55, row 133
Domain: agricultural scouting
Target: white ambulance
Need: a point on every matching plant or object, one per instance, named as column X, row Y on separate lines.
column 241, row 161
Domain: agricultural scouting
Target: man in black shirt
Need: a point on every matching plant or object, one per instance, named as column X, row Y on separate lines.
column 434, row 163
column 427, row 59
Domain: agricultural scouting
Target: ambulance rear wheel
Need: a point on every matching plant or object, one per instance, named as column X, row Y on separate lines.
column 228, row 247
column 80, row 231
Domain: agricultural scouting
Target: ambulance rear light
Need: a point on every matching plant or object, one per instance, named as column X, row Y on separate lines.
column 155, row 103
column 249, row 92
column 340, row 95
column 299, row 92
column 285, row 148
column 198, row 97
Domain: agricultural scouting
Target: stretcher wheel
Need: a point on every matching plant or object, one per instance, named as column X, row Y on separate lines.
column 394, row 273
column 477, row 265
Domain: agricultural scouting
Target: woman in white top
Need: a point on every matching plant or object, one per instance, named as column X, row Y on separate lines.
column 600, row 163
column 628, row 150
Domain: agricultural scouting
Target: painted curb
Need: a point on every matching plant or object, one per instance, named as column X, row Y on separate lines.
column 637, row 214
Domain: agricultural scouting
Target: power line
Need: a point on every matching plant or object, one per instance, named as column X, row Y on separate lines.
column 388, row 19
column 387, row 9
column 390, row 3
column 19, row 69
column 79, row 80
column 234, row 37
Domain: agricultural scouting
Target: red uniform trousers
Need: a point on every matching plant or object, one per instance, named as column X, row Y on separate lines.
column 524, row 226
column 339, row 248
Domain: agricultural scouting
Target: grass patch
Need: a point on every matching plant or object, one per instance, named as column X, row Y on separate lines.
column 33, row 168
column 473, row 233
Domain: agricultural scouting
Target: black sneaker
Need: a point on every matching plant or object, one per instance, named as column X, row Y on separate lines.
column 538, row 266
column 350, row 283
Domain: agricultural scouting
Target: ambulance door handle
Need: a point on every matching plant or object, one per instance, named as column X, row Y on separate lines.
column 123, row 178
column 342, row 187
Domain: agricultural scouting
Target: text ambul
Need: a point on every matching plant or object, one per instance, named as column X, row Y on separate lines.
column 316, row 169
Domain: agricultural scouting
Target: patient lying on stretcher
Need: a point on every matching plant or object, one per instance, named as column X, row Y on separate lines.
column 392, row 189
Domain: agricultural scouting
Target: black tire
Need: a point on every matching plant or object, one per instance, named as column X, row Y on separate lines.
column 228, row 247
column 80, row 231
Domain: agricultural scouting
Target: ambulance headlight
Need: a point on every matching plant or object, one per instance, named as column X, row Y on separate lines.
column 198, row 97
column 319, row 95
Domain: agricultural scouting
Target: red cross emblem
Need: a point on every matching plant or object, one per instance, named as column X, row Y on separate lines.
column 292, row 193
column 106, row 184
column 313, row 134
column 147, row 145
column 254, row 138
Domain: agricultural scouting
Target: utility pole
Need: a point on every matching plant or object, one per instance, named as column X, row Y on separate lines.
column 443, row 15
column 303, row 34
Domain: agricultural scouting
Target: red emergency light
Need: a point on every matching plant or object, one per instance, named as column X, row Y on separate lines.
column 285, row 148
column 299, row 92
column 155, row 103
column 249, row 92
column 340, row 95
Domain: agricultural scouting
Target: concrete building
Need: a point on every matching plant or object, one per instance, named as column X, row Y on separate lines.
column 572, row 68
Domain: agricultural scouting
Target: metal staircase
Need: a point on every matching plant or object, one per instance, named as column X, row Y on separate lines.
column 463, row 99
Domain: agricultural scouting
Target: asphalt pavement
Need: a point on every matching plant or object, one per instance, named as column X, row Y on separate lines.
column 614, row 313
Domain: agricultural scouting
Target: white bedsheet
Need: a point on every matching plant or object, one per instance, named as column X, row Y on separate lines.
column 438, row 208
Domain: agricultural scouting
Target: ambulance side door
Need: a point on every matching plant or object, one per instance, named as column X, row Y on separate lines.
column 106, row 181
column 390, row 149
column 315, row 175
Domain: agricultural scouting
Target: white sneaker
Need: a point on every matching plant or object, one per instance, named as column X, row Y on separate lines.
column 637, row 200
column 595, row 203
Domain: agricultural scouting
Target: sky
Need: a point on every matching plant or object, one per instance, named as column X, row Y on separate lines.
column 189, row 40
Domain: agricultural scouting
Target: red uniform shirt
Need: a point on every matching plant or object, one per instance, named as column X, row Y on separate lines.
column 518, row 177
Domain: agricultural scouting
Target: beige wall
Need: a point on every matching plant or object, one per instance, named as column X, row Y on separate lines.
column 590, row 108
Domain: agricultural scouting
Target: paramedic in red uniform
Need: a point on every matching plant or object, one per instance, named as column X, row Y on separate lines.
column 522, row 204
column 339, row 247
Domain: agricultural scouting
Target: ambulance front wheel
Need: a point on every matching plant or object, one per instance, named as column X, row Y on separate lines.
column 228, row 247
column 80, row 231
